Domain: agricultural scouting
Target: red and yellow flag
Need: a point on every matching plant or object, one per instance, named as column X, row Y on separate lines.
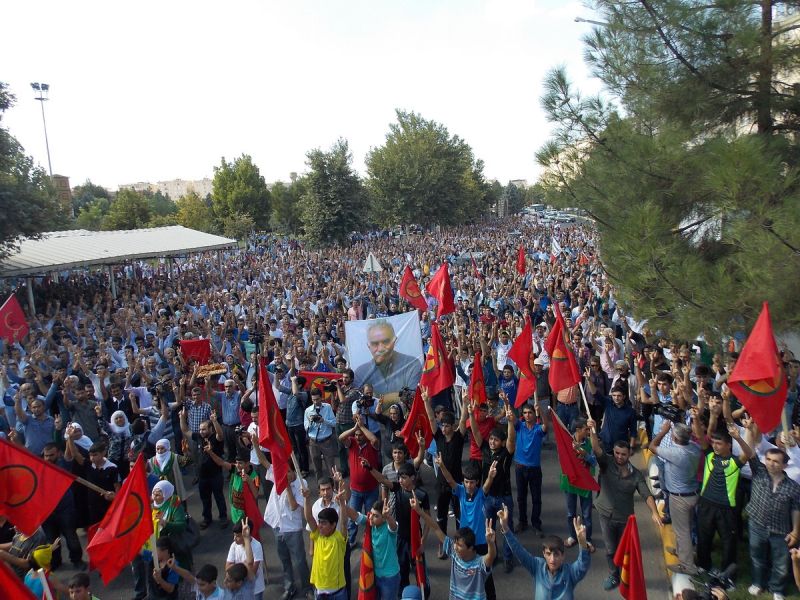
column 437, row 374
column 522, row 354
column 417, row 422
column 366, row 576
column 272, row 432
column 439, row 287
column 125, row 528
column 564, row 372
column 409, row 290
column 628, row 559
column 758, row 380
column 30, row 488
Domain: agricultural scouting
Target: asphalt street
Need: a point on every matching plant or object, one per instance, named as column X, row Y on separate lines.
column 215, row 542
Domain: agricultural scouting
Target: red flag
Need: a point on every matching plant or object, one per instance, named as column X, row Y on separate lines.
column 199, row 350
column 319, row 379
column 252, row 511
column 417, row 551
column 437, row 374
column 564, row 372
column 366, row 576
column 30, row 488
column 573, row 467
column 522, row 354
column 758, row 380
column 521, row 259
column 272, row 432
column 583, row 260
column 475, row 267
column 629, row 560
column 477, row 385
column 439, row 287
column 13, row 324
column 126, row 526
column 12, row 586
column 416, row 422
column 409, row 289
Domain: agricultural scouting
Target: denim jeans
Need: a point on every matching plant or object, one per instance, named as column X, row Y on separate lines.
column 292, row 554
column 337, row 595
column 567, row 413
column 586, row 513
column 388, row 587
column 492, row 504
column 768, row 550
column 529, row 479
column 361, row 502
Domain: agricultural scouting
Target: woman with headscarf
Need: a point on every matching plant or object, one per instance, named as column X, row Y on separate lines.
column 118, row 430
column 164, row 465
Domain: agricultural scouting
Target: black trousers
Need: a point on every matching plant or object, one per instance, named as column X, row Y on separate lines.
column 529, row 479
column 715, row 518
column 229, row 437
column 406, row 565
column 299, row 439
column 62, row 522
column 212, row 486
column 612, row 533
column 443, row 502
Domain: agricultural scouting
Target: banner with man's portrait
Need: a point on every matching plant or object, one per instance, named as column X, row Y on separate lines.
column 386, row 353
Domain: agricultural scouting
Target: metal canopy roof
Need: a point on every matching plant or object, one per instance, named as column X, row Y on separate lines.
column 61, row 250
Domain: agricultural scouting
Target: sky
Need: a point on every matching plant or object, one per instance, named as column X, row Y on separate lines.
column 153, row 91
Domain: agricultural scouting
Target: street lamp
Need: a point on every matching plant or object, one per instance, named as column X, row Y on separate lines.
column 42, row 89
column 599, row 23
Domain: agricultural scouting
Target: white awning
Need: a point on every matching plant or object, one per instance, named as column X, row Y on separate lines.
column 77, row 248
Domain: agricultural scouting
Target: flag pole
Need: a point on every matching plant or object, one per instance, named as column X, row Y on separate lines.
column 297, row 471
column 45, row 586
column 154, row 550
column 91, row 486
column 585, row 402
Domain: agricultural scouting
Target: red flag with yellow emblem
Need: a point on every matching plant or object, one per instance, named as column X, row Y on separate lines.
column 30, row 488
column 522, row 354
column 564, row 372
column 272, row 432
column 366, row 576
column 437, row 374
column 320, row 380
column 125, row 528
column 409, row 289
column 628, row 559
column 417, row 422
column 758, row 379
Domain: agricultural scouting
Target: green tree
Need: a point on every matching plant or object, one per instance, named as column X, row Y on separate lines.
column 286, row 211
column 195, row 213
column 514, row 199
column 92, row 215
column 422, row 174
column 691, row 168
column 160, row 204
column 238, row 226
column 238, row 187
column 334, row 203
column 129, row 210
column 27, row 197
column 83, row 195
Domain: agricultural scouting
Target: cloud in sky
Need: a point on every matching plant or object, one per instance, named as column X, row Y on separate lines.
column 151, row 90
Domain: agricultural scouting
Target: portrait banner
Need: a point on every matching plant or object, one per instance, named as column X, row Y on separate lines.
column 386, row 353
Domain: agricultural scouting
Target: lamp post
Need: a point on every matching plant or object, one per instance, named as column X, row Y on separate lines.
column 42, row 89
column 598, row 23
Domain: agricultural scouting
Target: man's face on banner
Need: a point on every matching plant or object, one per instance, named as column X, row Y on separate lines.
column 381, row 340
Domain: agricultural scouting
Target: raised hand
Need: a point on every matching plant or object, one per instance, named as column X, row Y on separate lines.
column 502, row 517
column 386, row 511
column 245, row 529
column 438, row 459
column 490, row 534
column 493, row 469
column 580, row 531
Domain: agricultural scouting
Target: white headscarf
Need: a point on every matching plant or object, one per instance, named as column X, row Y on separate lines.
column 120, row 429
column 166, row 488
column 163, row 458
column 84, row 441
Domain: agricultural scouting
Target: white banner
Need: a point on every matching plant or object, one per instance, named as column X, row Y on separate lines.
column 386, row 353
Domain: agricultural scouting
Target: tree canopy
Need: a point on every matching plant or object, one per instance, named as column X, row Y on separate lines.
column 422, row 174
column 688, row 163
column 29, row 201
column 334, row 203
column 238, row 187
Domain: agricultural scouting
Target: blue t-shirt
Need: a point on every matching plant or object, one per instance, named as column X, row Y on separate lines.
column 528, row 451
column 467, row 578
column 473, row 514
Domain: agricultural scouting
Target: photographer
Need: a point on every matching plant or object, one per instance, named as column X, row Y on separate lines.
column 296, row 405
column 319, row 423
column 366, row 407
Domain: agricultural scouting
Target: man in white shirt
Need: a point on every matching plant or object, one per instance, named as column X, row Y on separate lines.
column 237, row 554
column 284, row 514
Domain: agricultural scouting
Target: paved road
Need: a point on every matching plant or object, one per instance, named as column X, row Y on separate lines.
column 517, row 585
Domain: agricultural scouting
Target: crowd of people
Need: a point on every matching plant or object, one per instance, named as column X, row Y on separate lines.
column 100, row 380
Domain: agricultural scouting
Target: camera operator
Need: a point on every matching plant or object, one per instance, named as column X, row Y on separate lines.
column 320, row 423
column 366, row 407
column 342, row 404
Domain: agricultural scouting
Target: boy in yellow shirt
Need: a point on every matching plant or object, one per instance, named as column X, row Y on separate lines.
column 328, row 533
